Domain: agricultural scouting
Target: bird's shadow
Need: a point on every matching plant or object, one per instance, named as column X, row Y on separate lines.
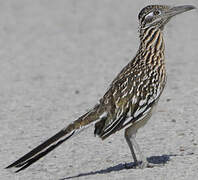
column 163, row 159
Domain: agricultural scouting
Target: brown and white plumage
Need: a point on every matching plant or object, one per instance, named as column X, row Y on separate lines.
column 138, row 86
column 132, row 95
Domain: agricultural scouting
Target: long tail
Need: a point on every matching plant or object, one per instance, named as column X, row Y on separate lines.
column 56, row 140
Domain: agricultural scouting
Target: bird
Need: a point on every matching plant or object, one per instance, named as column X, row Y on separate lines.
column 131, row 97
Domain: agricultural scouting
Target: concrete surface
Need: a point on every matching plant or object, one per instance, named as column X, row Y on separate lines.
column 57, row 59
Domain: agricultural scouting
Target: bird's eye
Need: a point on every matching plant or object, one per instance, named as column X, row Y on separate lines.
column 149, row 16
column 156, row 12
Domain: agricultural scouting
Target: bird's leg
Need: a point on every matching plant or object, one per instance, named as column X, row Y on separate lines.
column 129, row 142
column 130, row 134
column 137, row 148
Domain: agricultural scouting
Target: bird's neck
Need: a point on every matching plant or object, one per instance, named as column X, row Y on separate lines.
column 151, row 40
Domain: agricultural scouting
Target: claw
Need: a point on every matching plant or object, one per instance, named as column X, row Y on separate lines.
column 146, row 164
column 129, row 166
column 140, row 165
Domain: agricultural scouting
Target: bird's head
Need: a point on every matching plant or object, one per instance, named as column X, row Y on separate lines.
column 159, row 15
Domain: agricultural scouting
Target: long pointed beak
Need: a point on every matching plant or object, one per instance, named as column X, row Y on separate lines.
column 178, row 10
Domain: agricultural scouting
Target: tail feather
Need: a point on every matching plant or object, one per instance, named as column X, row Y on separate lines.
column 56, row 140
column 40, row 151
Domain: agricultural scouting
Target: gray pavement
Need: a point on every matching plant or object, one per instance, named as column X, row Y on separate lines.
column 57, row 59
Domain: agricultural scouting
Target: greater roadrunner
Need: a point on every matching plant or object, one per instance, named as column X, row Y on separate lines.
column 131, row 97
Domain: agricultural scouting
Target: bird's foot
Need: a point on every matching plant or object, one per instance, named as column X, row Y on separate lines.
column 140, row 165
column 132, row 166
column 145, row 164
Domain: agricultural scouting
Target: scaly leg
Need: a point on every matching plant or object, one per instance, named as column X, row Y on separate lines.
column 128, row 140
column 130, row 134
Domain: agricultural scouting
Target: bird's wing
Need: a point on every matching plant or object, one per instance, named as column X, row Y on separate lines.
column 127, row 113
column 129, row 99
